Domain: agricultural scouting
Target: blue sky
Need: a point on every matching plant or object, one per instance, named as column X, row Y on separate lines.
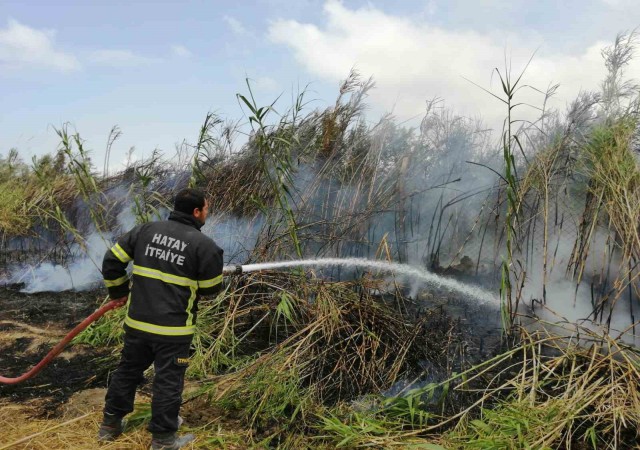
column 156, row 68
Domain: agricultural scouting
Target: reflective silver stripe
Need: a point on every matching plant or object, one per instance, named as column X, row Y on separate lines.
column 163, row 276
column 120, row 253
column 192, row 299
column 116, row 282
column 210, row 283
column 159, row 329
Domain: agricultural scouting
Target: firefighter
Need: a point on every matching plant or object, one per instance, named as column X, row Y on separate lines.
column 173, row 265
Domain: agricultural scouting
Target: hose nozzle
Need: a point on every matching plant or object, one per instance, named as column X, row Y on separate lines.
column 232, row 270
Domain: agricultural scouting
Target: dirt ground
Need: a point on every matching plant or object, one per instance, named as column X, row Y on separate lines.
column 61, row 407
column 30, row 325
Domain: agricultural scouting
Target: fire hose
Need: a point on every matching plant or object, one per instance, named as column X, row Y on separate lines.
column 55, row 351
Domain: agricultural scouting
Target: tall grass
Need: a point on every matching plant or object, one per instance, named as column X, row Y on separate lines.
column 275, row 148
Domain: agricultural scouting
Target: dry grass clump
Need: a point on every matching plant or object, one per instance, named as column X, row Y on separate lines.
column 21, row 430
column 14, row 219
column 290, row 345
column 75, row 424
column 587, row 196
column 614, row 188
column 238, row 183
column 26, row 200
column 548, row 392
column 563, row 392
column 77, row 428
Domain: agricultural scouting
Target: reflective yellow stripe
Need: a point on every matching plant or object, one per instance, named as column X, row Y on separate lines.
column 159, row 329
column 190, row 306
column 120, row 253
column 116, row 282
column 210, row 283
column 162, row 276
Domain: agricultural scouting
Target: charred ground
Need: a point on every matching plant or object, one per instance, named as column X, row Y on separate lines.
column 30, row 325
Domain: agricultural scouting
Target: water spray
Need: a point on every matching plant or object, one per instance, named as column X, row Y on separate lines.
column 381, row 266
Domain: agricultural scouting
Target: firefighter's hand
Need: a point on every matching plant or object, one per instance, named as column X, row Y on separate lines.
column 119, row 302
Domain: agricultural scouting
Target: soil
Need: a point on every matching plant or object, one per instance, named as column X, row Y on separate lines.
column 30, row 325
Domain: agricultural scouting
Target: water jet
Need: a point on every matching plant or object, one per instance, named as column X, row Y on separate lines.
column 430, row 278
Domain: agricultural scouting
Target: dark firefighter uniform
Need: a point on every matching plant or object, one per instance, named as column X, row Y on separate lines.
column 173, row 264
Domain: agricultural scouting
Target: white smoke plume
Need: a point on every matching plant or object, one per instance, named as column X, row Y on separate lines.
column 570, row 302
column 81, row 274
column 236, row 236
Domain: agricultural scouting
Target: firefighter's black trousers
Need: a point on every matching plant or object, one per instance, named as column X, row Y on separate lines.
column 169, row 360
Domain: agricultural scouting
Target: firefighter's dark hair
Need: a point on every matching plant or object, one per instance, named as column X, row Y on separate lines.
column 189, row 199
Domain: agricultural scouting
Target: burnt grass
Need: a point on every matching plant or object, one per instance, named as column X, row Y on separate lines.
column 86, row 368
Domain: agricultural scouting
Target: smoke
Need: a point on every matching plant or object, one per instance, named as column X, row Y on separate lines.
column 236, row 236
column 126, row 219
column 570, row 302
column 81, row 274
column 84, row 270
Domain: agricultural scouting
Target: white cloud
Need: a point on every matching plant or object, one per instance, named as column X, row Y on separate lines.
column 181, row 51
column 236, row 26
column 119, row 58
column 412, row 62
column 22, row 46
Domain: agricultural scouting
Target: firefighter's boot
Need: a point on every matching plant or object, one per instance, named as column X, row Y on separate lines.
column 170, row 441
column 110, row 428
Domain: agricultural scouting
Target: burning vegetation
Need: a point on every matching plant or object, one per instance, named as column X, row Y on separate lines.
column 341, row 356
